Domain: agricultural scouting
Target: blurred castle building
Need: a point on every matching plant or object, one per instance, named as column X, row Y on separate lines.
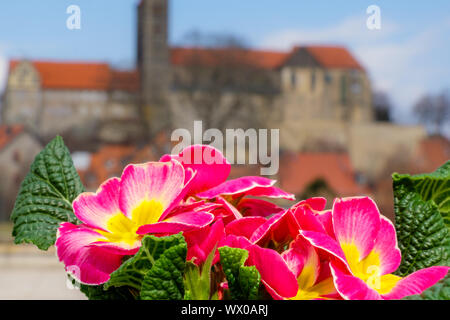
column 320, row 97
column 17, row 150
column 83, row 101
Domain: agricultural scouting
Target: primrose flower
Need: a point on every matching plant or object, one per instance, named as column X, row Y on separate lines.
column 282, row 228
column 308, row 274
column 115, row 218
column 209, row 183
column 211, row 167
column 297, row 274
column 365, row 251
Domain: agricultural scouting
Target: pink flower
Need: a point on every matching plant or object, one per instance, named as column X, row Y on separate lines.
column 212, row 170
column 297, row 273
column 301, row 269
column 211, row 167
column 116, row 217
column 284, row 227
column 201, row 242
column 364, row 247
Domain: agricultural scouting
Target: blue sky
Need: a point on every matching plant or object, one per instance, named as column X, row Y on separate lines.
column 408, row 56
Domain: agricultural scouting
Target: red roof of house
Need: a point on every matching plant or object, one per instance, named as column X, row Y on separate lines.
column 432, row 153
column 110, row 160
column 298, row 171
column 214, row 56
column 327, row 56
column 100, row 76
column 82, row 75
column 8, row 133
column 334, row 57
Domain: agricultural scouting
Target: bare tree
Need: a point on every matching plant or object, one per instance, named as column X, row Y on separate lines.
column 434, row 110
column 225, row 82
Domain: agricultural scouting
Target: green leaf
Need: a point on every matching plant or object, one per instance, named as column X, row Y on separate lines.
column 197, row 282
column 132, row 272
column 164, row 281
column 99, row 293
column 421, row 208
column 243, row 281
column 433, row 186
column 440, row 291
column 45, row 196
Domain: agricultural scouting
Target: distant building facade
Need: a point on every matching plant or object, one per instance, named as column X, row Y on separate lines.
column 318, row 96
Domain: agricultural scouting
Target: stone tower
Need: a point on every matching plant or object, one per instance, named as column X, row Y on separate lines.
column 153, row 63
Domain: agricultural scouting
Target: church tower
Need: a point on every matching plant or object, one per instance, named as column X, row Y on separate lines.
column 153, row 63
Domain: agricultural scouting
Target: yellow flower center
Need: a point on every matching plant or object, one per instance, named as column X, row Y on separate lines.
column 368, row 269
column 122, row 229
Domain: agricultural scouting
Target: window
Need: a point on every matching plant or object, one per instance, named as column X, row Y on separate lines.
column 327, row 78
column 313, row 80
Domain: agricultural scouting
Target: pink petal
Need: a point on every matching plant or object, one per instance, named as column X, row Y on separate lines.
column 211, row 166
column 244, row 226
column 270, row 192
column 356, row 220
column 95, row 209
column 308, row 219
column 233, row 241
column 294, row 261
column 386, row 247
column 417, row 282
column 178, row 223
column 252, row 186
column 325, row 242
column 229, row 208
column 87, row 264
column 300, row 254
column 273, row 270
column 352, row 288
column 326, row 219
column 201, row 242
column 120, row 248
column 159, row 181
column 280, row 228
column 257, row 207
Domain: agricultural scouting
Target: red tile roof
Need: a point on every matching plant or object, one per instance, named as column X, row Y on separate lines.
column 82, row 75
column 100, row 76
column 110, row 160
column 432, row 153
column 298, row 171
column 213, row 56
column 327, row 56
column 125, row 80
column 334, row 57
column 8, row 133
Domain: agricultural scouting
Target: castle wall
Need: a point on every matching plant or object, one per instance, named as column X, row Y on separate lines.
column 371, row 145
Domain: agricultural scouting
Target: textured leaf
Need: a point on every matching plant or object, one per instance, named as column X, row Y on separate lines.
column 420, row 204
column 164, row 281
column 45, row 196
column 433, row 186
column 132, row 272
column 99, row 293
column 243, row 281
column 440, row 291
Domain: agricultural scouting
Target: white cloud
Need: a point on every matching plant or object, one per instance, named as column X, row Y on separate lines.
column 399, row 62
